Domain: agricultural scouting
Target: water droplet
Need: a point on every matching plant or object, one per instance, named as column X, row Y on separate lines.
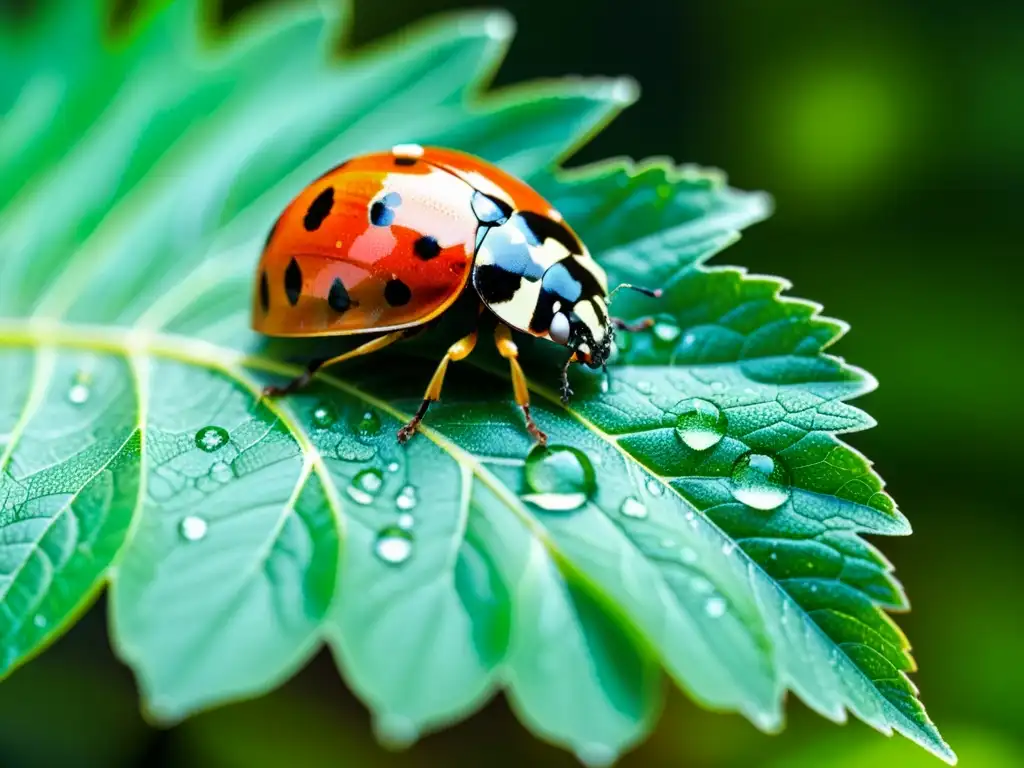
column 654, row 487
column 221, row 472
column 774, row 555
column 700, row 424
column 559, row 478
column 368, row 423
column 814, row 587
column 211, row 438
column 393, row 466
column 728, row 548
column 688, row 556
column 645, row 387
column 39, row 620
column 324, row 416
column 364, row 486
column 393, row 545
column 78, row 394
column 406, row 500
column 633, row 508
column 666, row 330
column 406, row 521
column 759, row 481
column 715, row 607
column 193, row 528
column 596, row 755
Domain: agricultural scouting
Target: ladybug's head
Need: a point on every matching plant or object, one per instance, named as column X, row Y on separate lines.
column 586, row 332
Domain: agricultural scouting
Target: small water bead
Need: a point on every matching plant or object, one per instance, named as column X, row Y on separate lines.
column 728, row 548
column 406, row 521
column 324, row 416
column 406, row 500
column 211, row 438
column 666, row 331
column 688, row 556
column 700, row 424
column 368, row 423
column 78, row 394
column 221, row 472
column 654, row 487
column 634, row 508
column 193, row 528
column 364, row 486
column 393, row 545
column 559, row 478
column 715, row 607
column 759, row 481
column 393, row 466
column 39, row 620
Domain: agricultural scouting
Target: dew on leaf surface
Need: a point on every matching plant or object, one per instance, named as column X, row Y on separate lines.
column 700, row 424
column 634, row 508
column 715, row 607
column 211, row 438
column 365, row 486
column 324, row 416
column 192, row 528
column 559, row 478
column 759, row 481
column 406, row 499
column 367, row 423
column 393, row 545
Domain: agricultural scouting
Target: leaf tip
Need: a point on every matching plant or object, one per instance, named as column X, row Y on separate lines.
column 395, row 732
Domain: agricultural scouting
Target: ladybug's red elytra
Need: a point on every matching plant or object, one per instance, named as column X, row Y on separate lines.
column 385, row 242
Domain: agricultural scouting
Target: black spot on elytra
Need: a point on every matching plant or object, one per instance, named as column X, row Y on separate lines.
column 540, row 228
column 495, row 284
column 405, row 161
column 426, row 247
column 293, row 282
column 264, row 292
column 382, row 212
column 319, row 210
column 397, row 293
column 338, row 298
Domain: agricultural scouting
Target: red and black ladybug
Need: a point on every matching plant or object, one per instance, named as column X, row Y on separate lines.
column 386, row 242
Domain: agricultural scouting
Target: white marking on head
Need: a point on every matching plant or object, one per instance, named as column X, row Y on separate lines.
column 407, row 150
column 559, row 330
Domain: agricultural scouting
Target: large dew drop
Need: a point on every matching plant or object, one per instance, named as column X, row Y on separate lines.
column 211, row 438
column 759, row 481
column 192, row 528
column 365, row 486
column 558, row 478
column 700, row 424
column 393, row 545
column 406, row 499
column 666, row 330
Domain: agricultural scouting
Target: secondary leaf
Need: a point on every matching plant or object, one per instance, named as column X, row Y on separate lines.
column 699, row 518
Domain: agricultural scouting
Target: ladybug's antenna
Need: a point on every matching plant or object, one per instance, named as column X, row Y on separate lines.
column 654, row 293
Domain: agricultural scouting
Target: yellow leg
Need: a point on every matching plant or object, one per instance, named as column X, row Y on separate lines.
column 456, row 351
column 508, row 349
column 315, row 365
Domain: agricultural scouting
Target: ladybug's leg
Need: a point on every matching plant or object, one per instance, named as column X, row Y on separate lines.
column 456, row 351
column 643, row 325
column 303, row 379
column 508, row 349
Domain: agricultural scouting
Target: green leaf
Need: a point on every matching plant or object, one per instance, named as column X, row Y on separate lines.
column 697, row 518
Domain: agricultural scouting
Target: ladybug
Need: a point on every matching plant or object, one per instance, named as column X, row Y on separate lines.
column 384, row 243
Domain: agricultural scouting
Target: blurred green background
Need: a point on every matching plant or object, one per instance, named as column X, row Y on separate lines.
column 891, row 135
